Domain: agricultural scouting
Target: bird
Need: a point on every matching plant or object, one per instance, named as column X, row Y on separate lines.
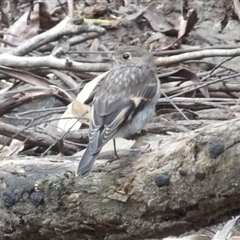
column 123, row 104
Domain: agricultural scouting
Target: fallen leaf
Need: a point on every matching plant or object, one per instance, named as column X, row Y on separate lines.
column 159, row 24
column 96, row 10
column 237, row 7
column 227, row 229
column 25, row 76
column 187, row 24
column 7, row 105
column 184, row 73
column 224, row 21
column 3, row 151
column 5, row 87
column 76, row 114
column 15, row 147
column 20, row 31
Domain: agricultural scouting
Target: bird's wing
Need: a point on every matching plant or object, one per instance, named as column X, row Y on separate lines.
column 111, row 111
column 90, row 89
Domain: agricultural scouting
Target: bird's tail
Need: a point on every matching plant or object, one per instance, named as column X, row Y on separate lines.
column 86, row 163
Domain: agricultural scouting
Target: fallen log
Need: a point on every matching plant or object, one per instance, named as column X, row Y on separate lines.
column 191, row 180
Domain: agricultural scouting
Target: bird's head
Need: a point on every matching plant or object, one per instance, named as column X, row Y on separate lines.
column 132, row 55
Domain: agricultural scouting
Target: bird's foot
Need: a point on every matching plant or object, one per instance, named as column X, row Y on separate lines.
column 115, row 157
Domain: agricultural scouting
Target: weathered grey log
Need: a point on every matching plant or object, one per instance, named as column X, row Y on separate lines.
column 191, row 180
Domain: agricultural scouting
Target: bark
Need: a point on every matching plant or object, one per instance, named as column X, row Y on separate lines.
column 190, row 181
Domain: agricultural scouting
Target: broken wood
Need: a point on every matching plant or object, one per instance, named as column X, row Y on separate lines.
column 191, row 180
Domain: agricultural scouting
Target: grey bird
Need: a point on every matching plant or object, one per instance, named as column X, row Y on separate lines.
column 124, row 103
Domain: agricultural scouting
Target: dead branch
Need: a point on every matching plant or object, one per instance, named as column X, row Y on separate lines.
column 191, row 180
column 164, row 61
column 66, row 27
column 51, row 62
column 44, row 140
column 9, row 104
column 68, row 64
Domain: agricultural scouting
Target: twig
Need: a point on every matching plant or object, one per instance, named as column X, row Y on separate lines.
column 34, row 138
column 51, row 62
column 65, row 27
column 197, row 55
column 30, row 11
column 53, row 110
column 205, row 84
column 219, row 65
column 175, row 106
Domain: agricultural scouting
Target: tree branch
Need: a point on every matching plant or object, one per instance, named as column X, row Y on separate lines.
column 51, row 62
column 43, row 140
column 66, row 27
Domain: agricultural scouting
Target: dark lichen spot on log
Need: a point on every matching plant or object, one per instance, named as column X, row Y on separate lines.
column 182, row 172
column 10, row 197
column 200, row 175
column 214, row 148
column 162, row 180
column 36, row 198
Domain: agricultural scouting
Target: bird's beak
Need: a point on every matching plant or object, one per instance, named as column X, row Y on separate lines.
column 107, row 58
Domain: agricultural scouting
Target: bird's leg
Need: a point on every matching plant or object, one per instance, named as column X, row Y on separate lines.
column 115, row 156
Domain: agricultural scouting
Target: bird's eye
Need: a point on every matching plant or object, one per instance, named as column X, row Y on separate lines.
column 126, row 56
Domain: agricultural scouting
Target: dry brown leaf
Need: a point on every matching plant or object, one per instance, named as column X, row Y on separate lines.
column 184, row 73
column 46, row 21
column 25, row 76
column 3, row 151
column 96, row 10
column 187, row 23
column 76, row 114
column 224, row 21
column 227, row 230
column 5, row 86
column 159, row 24
column 29, row 24
column 5, row 6
column 15, row 147
column 135, row 15
column 237, row 7
column 21, row 31
column 7, row 105
column 185, row 26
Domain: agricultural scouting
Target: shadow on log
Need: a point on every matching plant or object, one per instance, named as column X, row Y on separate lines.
column 190, row 181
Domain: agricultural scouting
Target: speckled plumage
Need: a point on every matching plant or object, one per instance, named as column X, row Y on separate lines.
column 123, row 104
